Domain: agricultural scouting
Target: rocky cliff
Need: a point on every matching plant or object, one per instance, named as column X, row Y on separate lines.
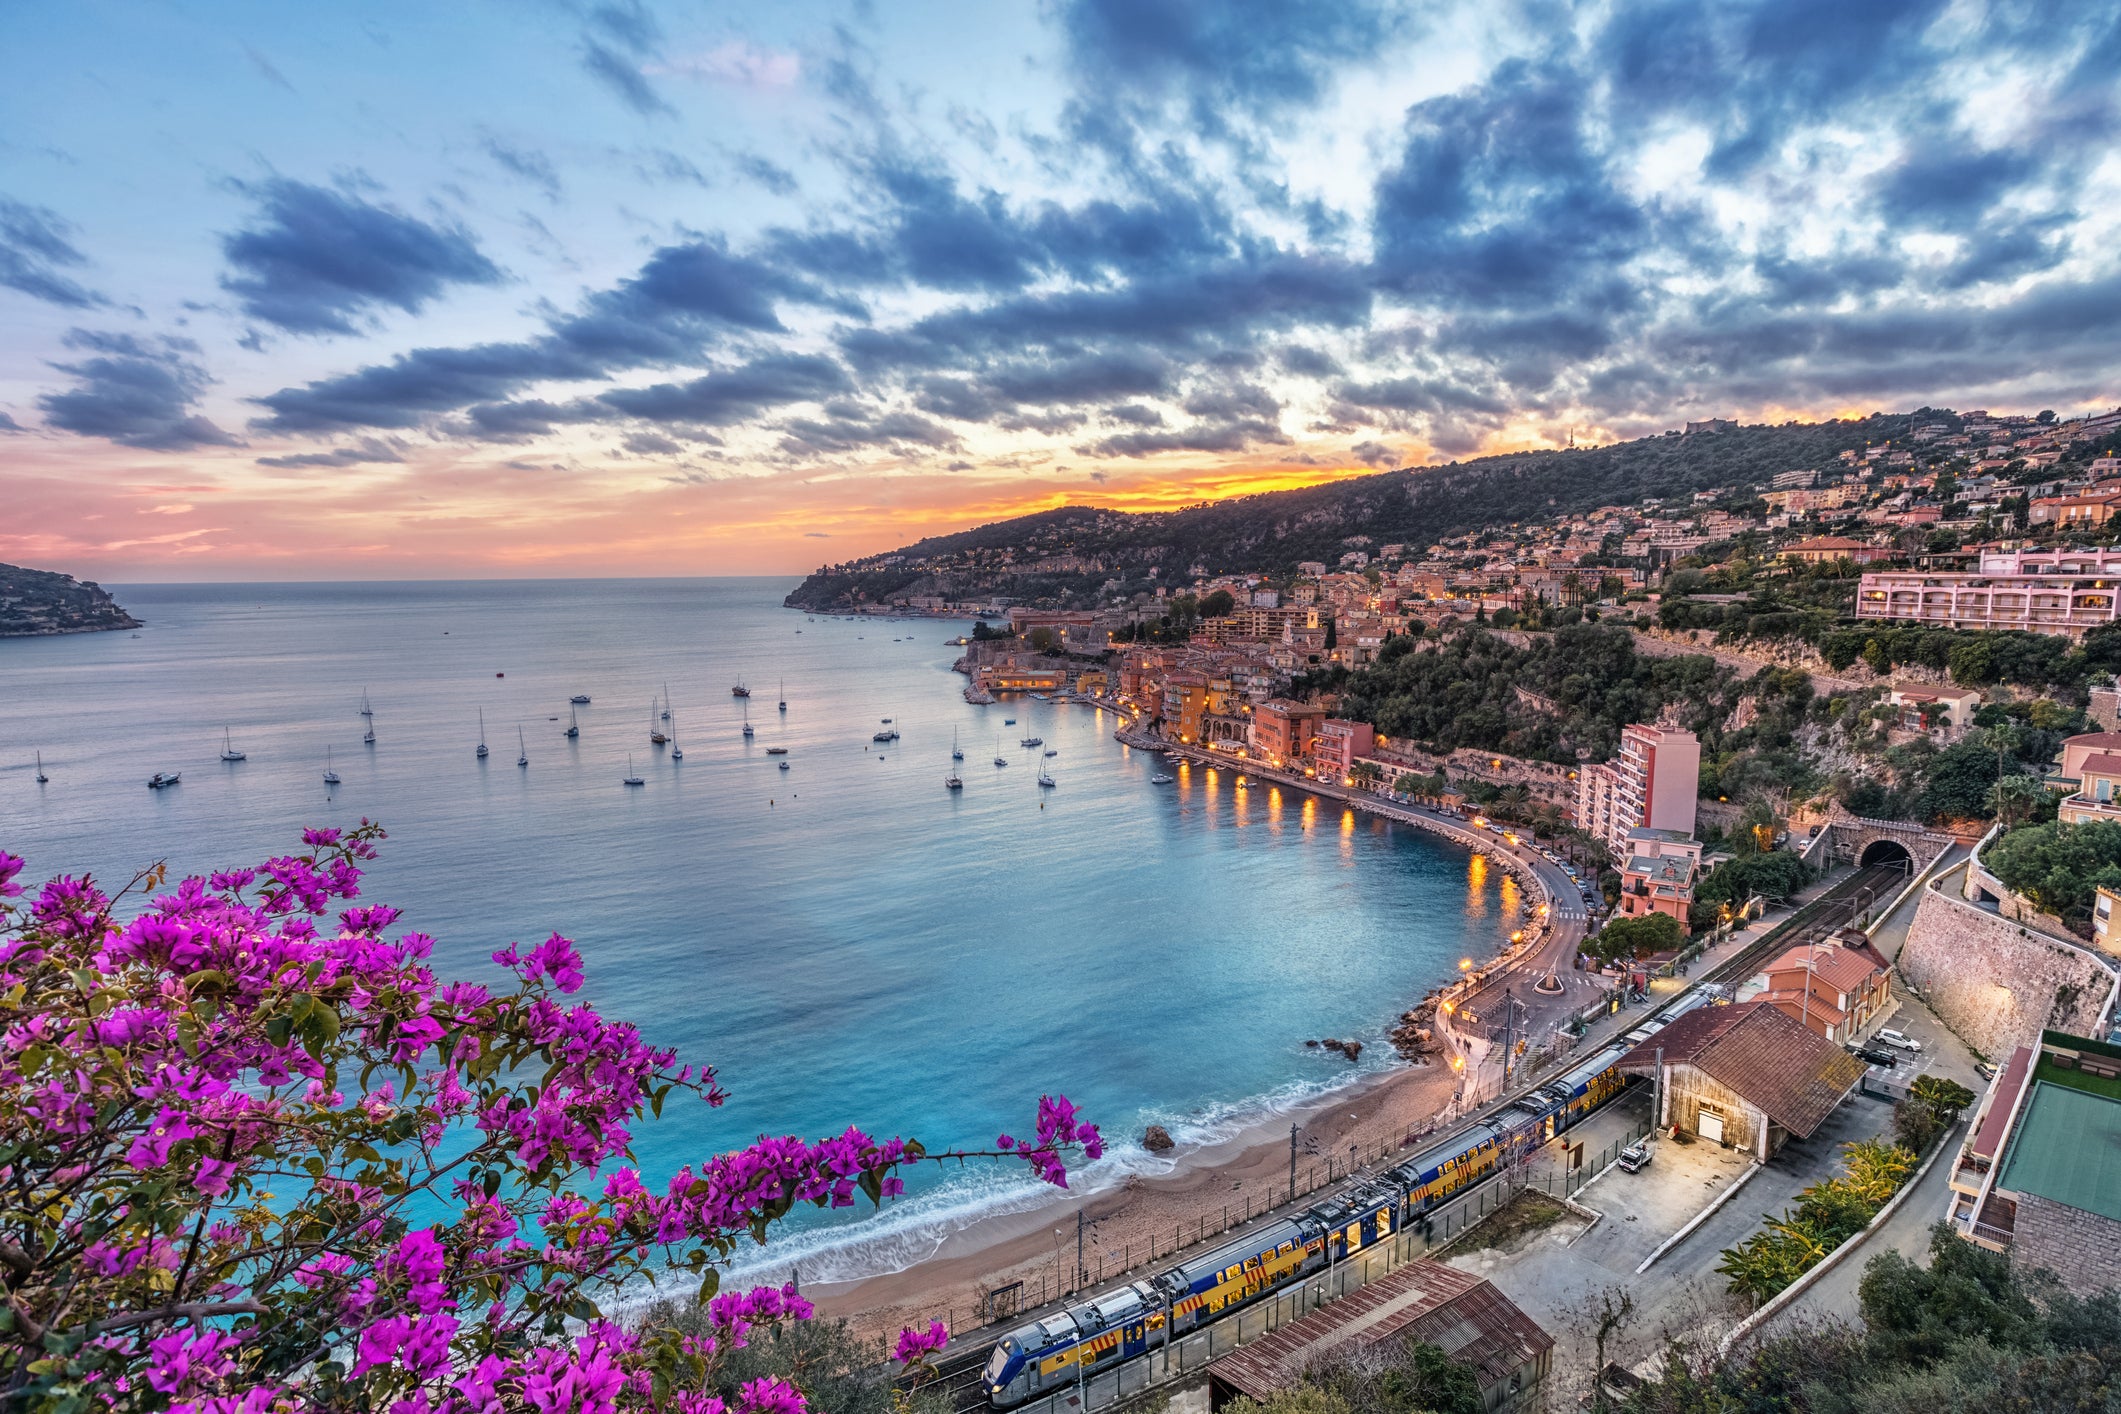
column 38, row 602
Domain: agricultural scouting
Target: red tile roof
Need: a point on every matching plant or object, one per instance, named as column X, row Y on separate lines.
column 1768, row 1059
column 1425, row 1302
column 1843, row 968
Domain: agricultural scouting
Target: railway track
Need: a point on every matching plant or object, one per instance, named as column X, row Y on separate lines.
column 958, row 1371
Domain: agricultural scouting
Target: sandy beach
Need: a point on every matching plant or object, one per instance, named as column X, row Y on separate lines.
column 1388, row 1108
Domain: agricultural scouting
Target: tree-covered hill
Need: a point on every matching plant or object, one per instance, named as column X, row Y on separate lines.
column 35, row 602
column 1027, row 557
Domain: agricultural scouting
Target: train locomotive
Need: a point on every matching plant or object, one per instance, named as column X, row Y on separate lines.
column 1090, row 1338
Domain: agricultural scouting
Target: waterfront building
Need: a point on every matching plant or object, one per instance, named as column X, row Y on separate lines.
column 1658, row 870
column 2035, row 1175
column 2055, row 591
column 1339, row 744
column 1282, row 730
column 1185, row 704
column 1651, row 784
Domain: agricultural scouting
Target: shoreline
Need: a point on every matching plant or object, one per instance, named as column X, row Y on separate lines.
column 1145, row 1213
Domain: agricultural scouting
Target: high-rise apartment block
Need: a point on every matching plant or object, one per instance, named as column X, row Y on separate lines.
column 1650, row 786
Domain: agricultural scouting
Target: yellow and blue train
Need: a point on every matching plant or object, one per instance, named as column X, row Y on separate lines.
column 1132, row 1320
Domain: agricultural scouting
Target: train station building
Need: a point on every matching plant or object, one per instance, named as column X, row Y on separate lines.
column 1748, row 1076
column 1423, row 1303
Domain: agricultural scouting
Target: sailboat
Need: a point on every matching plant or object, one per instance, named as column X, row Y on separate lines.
column 784, row 689
column 366, row 710
column 574, row 727
column 228, row 750
column 747, row 721
column 953, row 781
column 331, row 777
column 655, row 733
column 368, row 737
column 740, row 691
column 999, row 759
column 666, row 701
column 631, row 778
column 1045, row 779
column 41, row 777
column 522, row 751
column 482, row 734
column 956, row 752
column 677, row 753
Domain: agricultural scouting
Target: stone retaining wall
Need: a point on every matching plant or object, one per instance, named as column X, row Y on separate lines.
column 1996, row 982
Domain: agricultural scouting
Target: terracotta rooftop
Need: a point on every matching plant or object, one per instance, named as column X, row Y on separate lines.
column 2101, row 763
column 2104, row 739
column 1426, row 1302
column 1793, row 1076
column 1839, row 966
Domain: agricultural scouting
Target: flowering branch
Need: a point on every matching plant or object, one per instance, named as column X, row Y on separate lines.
column 225, row 1123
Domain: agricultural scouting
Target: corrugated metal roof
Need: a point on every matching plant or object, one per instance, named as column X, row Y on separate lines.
column 1425, row 1302
column 1772, row 1060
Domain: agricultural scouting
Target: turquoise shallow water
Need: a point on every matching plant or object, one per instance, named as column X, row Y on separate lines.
column 845, row 941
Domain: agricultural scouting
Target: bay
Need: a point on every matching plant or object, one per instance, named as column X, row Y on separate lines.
column 846, row 941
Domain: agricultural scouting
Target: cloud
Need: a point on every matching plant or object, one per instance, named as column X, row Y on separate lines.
column 739, row 62
column 528, row 163
column 8, row 424
column 850, row 430
column 650, row 444
column 267, row 68
column 730, row 395
column 816, row 535
column 368, row 451
column 770, row 175
column 1376, row 454
column 624, row 79
column 314, row 259
column 135, row 393
column 35, row 243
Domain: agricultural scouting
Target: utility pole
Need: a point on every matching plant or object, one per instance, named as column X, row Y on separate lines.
column 1292, row 1163
column 1079, row 1276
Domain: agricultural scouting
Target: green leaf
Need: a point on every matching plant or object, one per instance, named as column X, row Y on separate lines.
column 709, row 1285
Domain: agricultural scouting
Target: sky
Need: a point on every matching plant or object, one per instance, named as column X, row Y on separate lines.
column 629, row 287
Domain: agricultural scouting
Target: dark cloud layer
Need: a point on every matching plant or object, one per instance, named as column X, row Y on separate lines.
column 1514, row 263
column 315, row 259
column 135, row 393
column 36, row 249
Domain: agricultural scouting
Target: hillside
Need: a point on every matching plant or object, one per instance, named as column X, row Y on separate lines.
column 1066, row 557
column 38, row 602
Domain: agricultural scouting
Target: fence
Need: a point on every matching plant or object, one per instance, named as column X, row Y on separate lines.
column 1193, row 1352
column 1443, row 1225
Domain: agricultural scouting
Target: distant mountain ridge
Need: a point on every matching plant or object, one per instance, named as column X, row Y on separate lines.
column 34, row 603
column 1066, row 556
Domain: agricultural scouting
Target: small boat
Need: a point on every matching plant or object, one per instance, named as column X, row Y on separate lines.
column 522, row 751
column 631, row 778
column 366, row 710
column 482, row 734
column 666, row 701
column 953, row 782
column 1032, row 741
column 1008, row 721
column 368, row 737
column 1160, row 779
column 1045, row 781
column 655, row 733
column 677, row 753
column 784, row 764
column 740, row 691
column 885, row 735
column 748, row 732
column 887, row 721
column 999, row 759
column 228, row 750
column 574, row 726
column 956, row 753
column 1051, row 751
column 41, row 777
column 580, row 699
column 331, row 777
column 161, row 779
column 784, row 689
column 776, row 751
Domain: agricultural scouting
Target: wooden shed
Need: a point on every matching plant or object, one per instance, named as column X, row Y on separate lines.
column 1747, row 1076
column 1425, row 1303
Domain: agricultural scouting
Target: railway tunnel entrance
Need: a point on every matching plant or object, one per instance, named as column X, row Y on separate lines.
column 1886, row 852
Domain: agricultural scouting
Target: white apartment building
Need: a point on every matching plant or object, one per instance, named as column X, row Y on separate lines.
column 2041, row 591
column 1651, row 785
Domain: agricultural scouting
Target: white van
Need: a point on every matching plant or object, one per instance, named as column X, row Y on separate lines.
column 1899, row 1040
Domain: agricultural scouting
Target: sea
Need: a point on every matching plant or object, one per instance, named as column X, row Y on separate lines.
column 845, row 941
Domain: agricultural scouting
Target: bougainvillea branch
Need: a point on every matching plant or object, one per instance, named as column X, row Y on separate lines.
column 254, row 1161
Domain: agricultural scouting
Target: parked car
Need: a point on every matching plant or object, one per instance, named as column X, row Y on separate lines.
column 1635, row 1157
column 1898, row 1040
column 1875, row 1055
column 1984, row 1070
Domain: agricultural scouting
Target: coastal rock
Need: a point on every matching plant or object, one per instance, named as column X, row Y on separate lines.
column 1350, row 1049
column 1311, row 1045
column 1156, row 1139
column 34, row 603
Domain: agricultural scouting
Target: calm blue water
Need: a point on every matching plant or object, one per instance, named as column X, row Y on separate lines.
column 844, row 940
